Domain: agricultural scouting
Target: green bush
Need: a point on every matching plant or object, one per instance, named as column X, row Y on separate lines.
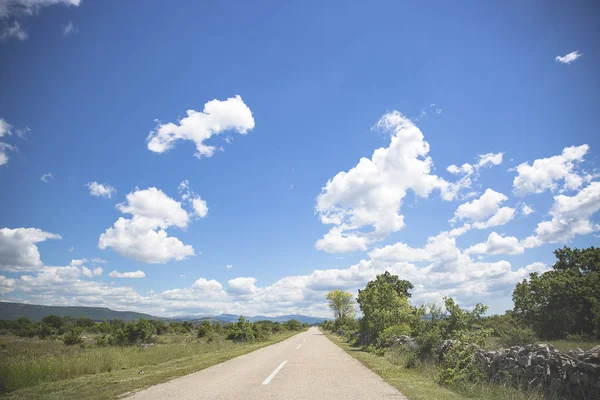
column 459, row 365
column 395, row 330
column 292, row 325
column 516, row 336
column 45, row 331
column 241, row 331
column 204, row 329
column 72, row 337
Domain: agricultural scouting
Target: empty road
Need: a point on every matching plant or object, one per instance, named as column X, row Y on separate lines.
column 305, row 366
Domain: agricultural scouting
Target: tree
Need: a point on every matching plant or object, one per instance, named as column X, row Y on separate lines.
column 384, row 304
column 564, row 300
column 342, row 305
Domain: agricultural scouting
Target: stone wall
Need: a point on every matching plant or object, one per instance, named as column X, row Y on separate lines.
column 575, row 374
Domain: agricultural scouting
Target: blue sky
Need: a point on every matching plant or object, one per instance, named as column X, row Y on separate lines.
column 297, row 201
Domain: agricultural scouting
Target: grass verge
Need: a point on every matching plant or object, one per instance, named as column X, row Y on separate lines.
column 121, row 374
column 419, row 383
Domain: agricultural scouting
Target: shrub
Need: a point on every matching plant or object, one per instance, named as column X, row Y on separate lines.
column 102, row 341
column 72, row 337
column 459, row 364
column 516, row 336
column 204, row 329
column 292, row 325
column 46, row 331
column 395, row 330
column 241, row 331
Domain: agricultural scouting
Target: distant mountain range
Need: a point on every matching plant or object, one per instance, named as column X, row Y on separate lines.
column 12, row 311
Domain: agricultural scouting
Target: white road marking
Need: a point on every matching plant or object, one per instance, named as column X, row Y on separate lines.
column 268, row 380
column 300, row 345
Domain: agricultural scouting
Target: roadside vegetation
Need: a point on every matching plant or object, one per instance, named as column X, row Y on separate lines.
column 62, row 357
column 439, row 351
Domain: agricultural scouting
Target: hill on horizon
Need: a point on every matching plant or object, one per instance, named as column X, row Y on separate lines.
column 12, row 311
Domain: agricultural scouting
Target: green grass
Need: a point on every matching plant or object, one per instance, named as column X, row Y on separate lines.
column 419, row 383
column 47, row 369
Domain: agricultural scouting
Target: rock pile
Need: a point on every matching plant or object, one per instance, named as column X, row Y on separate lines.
column 401, row 340
column 575, row 374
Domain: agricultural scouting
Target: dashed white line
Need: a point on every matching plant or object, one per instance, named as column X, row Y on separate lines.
column 300, row 345
column 268, row 380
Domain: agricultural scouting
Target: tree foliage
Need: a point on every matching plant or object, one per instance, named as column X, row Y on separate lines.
column 564, row 300
column 342, row 305
column 384, row 304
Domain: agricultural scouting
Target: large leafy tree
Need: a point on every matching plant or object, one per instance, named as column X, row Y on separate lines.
column 384, row 305
column 342, row 305
column 564, row 300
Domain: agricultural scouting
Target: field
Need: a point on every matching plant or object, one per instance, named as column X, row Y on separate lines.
column 48, row 369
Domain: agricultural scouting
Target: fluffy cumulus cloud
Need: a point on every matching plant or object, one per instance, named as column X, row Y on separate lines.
column 569, row 58
column 571, row 216
column 371, row 193
column 132, row 274
column 484, row 212
column 101, row 189
column 548, row 173
column 497, row 244
column 437, row 269
column 143, row 236
column 199, row 126
column 7, row 285
column 242, row 286
column 18, row 248
column 205, row 285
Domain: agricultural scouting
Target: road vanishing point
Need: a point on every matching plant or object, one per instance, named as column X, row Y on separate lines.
column 305, row 366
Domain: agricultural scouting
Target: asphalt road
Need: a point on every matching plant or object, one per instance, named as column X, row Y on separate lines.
column 305, row 366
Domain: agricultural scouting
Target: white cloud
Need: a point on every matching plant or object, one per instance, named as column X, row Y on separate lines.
column 153, row 203
column 13, row 31
column 497, row 244
column 144, row 239
column 144, row 236
column 18, row 250
column 132, row 274
column 545, row 173
column 570, row 217
column 526, row 209
column 442, row 246
column 101, row 189
column 371, row 193
column 200, row 207
column 229, row 266
column 16, row 7
column 90, row 273
column 7, row 285
column 216, row 118
column 337, row 241
column 503, row 216
column 569, row 58
column 205, row 285
column 69, row 29
column 242, row 286
column 470, row 172
column 9, row 9
column 46, row 177
column 488, row 205
column 6, row 129
column 98, row 261
column 3, row 155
